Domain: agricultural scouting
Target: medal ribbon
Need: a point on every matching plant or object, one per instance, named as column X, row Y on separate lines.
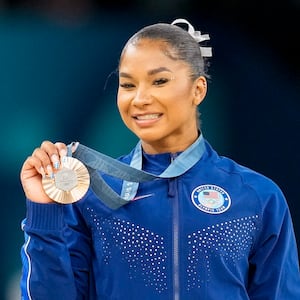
column 131, row 174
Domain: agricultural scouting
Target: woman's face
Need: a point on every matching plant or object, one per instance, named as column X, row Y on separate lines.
column 157, row 99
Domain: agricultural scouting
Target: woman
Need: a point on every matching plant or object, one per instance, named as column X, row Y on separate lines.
column 215, row 230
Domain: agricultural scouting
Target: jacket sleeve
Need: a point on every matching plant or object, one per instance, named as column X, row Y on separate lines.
column 56, row 253
column 274, row 265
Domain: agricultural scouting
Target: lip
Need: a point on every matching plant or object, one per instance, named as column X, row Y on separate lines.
column 146, row 119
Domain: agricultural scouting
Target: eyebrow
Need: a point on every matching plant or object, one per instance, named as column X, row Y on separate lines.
column 157, row 70
column 150, row 72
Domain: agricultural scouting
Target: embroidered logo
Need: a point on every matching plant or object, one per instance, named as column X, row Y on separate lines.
column 142, row 197
column 211, row 199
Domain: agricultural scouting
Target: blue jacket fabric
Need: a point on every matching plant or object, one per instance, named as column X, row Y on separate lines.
column 219, row 231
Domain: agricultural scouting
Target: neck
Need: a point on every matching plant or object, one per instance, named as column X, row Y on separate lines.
column 171, row 146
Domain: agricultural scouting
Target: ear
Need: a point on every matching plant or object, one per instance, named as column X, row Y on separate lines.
column 200, row 89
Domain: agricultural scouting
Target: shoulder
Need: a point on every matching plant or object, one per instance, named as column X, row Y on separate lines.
column 253, row 179
column 255, row 182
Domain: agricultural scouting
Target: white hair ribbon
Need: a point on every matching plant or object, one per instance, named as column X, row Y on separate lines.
column 205, row 51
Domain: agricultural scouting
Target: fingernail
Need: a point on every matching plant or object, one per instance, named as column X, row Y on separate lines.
column 55, row 160
column 63, row 155
column 50, row 172
column 64, row 159
column 42, row 172
column 74, row 146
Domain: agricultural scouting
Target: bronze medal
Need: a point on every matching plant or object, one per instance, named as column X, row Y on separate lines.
column 70, row 182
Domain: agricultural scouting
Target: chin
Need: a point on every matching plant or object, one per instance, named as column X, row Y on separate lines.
column 147, row 138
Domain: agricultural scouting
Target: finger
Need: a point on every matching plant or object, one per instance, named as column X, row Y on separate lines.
column 30, row 164
column 42, row 162
column 48, row 156
column 74, row 146
column 55, row 152
column 62, row 150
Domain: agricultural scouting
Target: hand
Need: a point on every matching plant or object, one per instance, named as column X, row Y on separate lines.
column 43, row 162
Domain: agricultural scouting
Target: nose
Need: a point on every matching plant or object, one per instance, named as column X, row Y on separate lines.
column 142, row 97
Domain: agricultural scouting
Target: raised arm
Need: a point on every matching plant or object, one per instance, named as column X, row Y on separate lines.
column 56, row 252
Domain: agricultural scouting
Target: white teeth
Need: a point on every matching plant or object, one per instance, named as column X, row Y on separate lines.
column 148, row 117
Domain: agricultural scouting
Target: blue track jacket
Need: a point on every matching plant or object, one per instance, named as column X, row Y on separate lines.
column 219, row 231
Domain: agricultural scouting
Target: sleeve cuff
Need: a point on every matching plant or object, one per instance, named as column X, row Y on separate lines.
column 44, row 216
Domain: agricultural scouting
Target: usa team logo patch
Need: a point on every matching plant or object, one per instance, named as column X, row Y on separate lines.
column 211, row 199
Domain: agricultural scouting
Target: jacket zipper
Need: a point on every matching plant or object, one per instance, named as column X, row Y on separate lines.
column 176, row 247
column 173, row 193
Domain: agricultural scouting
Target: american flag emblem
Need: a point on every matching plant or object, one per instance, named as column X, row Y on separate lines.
column 211, row 199
column 211, row 194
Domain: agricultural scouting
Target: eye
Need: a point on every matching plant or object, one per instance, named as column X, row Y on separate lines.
column 160, row 81
column 127, row 85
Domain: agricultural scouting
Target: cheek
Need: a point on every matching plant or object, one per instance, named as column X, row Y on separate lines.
column 182, row 94
column 182, row 85
column 120, row 101
column 123, row 106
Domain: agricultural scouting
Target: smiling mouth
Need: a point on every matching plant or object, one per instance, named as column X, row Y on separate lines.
column 147, row 117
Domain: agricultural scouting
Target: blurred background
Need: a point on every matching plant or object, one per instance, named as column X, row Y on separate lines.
column 58, row 82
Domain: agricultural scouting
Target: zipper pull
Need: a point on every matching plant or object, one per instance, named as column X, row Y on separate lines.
column 173, row 156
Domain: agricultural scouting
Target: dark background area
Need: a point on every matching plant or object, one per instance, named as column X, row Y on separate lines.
column 57, row 82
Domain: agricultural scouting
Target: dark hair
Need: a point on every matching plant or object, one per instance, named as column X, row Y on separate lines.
column 185, row 47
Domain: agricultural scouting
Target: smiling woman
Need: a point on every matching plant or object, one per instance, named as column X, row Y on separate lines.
column 157, row 99
column 202, row 227
column 159, row 94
